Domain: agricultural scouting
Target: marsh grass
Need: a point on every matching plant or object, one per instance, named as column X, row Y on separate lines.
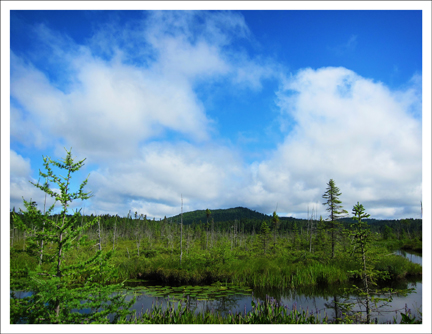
column 286, row 269
column 268, row 311
column 284, row 266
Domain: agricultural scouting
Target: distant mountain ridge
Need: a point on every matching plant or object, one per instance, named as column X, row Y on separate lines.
column 238, row 213
column 220, row 215
column 223, row 215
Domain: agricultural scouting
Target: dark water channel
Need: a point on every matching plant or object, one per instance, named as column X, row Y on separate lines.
column 317, row 299
column 412, row 256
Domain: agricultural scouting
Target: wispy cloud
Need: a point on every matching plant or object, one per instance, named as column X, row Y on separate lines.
column 344, row 48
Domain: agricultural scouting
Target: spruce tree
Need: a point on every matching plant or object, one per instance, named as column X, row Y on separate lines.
column 369, row 295
column 64, row 291
column 334, row 207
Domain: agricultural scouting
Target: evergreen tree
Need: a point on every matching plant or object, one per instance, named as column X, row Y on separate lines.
column 369, row 295
column 60, row 288
column 334, row 207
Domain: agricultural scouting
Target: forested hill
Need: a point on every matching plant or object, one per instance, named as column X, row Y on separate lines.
column 250, row 217
column 245, row 214
column 220, row 215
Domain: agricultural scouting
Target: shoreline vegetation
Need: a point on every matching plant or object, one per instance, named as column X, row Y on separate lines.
column 286, row 266
column 75, row 252
column 150, row 249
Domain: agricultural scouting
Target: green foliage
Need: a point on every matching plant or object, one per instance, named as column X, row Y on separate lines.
column 388, row 233
column 58, row 292
column 369, row 295
column 333, row 203
column 335, row 210
column 268, row 311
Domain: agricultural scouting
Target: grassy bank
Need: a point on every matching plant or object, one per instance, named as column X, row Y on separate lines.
column 284, row 268
column 414, row 245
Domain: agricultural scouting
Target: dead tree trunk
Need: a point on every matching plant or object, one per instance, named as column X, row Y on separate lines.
column 99, row 235
column 115, row 228
column 181, row 231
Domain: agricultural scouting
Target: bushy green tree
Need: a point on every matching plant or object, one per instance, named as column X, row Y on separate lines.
column 369, row 295
column 334, row 207
column 388, row 233
column 64, row 291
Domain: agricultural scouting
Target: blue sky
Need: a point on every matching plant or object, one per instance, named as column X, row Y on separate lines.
column 227, row 108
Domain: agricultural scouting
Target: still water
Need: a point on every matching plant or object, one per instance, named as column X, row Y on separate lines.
column 317, row 300
column 412, row 256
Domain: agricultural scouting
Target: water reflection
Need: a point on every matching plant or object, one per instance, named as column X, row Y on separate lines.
column 412, row 256
column 324, row 301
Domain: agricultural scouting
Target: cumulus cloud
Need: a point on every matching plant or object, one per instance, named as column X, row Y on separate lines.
column 353, row 130
column 113, row 108
column 20, row 187
column 162, row 172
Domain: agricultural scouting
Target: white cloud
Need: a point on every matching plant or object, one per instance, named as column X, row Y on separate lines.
column 20, row 171
column 112, row 110
column 351, row 129
column 19, row 166
column 107, row 106
column 162, row 172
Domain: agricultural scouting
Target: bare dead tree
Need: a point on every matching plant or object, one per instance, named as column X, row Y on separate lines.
column 181, row 230
column 212, row 233
column 188, row 238
column 114, row 233
column 99, row 235
column 137, row 233
column 12, row 226
column 149, row 234
column 12, row 232
column 43, row 227
column 170, row 241
column 311, row 220
column 234, row 230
